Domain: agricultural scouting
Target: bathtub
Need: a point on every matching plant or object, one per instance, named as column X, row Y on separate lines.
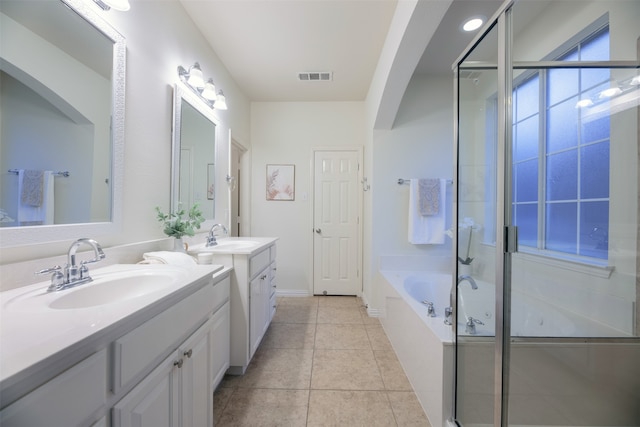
column 530, row 316
column 425, row 347
column 423, row 344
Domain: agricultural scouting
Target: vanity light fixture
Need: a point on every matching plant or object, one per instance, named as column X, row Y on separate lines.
column 193, row 78
column 121, row 5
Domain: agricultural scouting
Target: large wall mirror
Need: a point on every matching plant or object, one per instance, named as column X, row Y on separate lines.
column 62, row 71
column 193, row 177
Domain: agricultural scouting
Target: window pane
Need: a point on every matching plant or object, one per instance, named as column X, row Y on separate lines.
column 595, row 129
column 561, row 232
column 596, row 49
column 594, row 171
column 526, row 176
column 562, row 84
column 594, row 235
column 526, row 218
column 526, row 139
column 594, row 76
column 562, row 176
column 527, row 99
column 562, row 126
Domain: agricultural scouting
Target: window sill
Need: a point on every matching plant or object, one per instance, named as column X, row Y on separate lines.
column 602, row 271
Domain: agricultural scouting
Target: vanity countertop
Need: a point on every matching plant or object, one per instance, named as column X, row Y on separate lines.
column 235, row 245
column 37, row 338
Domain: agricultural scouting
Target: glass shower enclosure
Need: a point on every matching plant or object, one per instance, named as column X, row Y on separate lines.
column 547, row 291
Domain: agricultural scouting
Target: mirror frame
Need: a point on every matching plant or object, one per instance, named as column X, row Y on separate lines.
column 180, row 93
column 28, row 235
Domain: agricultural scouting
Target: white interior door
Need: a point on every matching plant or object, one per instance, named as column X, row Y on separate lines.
column 336, row 219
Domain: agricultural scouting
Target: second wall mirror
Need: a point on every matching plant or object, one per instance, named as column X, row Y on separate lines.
column 193, row 169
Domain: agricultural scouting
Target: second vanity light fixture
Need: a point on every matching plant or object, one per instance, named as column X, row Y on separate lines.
column 194, row 79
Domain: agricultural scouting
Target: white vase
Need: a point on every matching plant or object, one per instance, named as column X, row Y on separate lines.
column 464, row 269
column 178, row 245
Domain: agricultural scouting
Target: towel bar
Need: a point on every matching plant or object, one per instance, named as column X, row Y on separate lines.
column 62, row 173
column 402, row 181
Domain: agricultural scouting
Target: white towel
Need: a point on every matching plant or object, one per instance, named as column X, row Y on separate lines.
column 37, row 215
column 426, row 230
column 168, row 257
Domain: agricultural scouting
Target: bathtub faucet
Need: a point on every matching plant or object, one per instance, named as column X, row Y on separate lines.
column 468, row 279
column 431, row 311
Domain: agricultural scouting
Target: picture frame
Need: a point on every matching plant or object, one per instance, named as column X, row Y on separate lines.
column 211, row 181
column 280, row 182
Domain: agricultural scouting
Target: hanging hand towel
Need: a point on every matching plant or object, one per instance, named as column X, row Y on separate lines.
column 32, row 188
column 168, row 257
column 36, row 215
column 426, row 230
column 429, row 196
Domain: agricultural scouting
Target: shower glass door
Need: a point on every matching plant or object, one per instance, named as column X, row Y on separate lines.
column 547, row 295
column 476, row 84
column 574, row 351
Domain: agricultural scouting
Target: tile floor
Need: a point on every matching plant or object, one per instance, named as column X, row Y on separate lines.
column 323, row 362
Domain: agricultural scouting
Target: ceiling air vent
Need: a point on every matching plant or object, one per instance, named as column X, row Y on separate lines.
column 315, row 76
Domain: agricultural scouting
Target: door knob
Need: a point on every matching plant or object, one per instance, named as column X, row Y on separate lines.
column 317, row 230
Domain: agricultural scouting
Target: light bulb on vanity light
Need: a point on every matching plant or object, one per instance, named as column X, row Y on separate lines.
column 221, row 101
column 209, row 91
column 195, row 78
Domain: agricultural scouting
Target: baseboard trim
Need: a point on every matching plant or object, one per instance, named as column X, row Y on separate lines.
column 292, row 293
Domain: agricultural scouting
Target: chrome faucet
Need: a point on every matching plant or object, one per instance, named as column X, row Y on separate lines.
column 469, row 279
column 211, row 238
column 73, row 274
column 470, row 327
column 431, row 311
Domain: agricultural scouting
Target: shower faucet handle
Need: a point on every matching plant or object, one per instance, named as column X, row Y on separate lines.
column 448, row 313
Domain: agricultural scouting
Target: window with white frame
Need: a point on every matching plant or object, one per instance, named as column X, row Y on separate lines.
column 560, row 200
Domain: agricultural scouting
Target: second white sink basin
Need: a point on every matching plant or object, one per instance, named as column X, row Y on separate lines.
column 225, row 245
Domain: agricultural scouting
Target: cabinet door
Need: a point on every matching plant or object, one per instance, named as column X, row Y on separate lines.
column 155, row 401
column 257, row 310
column 220, row 343
column 197, row 390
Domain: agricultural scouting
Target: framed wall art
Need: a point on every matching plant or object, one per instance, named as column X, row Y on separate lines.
column 280, row 183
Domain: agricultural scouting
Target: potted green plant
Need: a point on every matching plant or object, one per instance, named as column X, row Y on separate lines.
column 181, row 223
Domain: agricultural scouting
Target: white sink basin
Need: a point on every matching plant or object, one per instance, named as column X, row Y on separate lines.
column 225, row 245
column 107, row 288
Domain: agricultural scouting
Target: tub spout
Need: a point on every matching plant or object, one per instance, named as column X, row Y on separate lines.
column 469, row 279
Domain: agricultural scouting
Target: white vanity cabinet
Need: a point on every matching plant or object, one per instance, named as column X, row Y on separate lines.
column 253, row 299
column 177, row 393
column 157, row 367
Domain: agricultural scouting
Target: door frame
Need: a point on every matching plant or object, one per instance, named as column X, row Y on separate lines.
column 359, row 255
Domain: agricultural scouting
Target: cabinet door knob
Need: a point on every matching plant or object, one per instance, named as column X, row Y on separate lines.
column 263, row 277
column 178, row 363
column 318, row 230
column 188, row 353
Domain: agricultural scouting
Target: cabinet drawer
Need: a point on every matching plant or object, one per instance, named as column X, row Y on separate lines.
column 258, row 262
column 272, row 253
column 69, row 399
column 135, row 351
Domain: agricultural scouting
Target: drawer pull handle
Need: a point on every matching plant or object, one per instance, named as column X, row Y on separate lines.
column 178, row 363
column 188, row 353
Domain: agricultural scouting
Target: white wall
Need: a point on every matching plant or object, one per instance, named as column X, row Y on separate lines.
column 286, row 133
column 419, row 146
column 159, row 37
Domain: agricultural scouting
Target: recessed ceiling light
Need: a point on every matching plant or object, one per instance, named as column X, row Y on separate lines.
column 472, row 23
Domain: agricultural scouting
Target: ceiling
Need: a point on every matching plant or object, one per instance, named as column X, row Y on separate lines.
column 265, row 43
